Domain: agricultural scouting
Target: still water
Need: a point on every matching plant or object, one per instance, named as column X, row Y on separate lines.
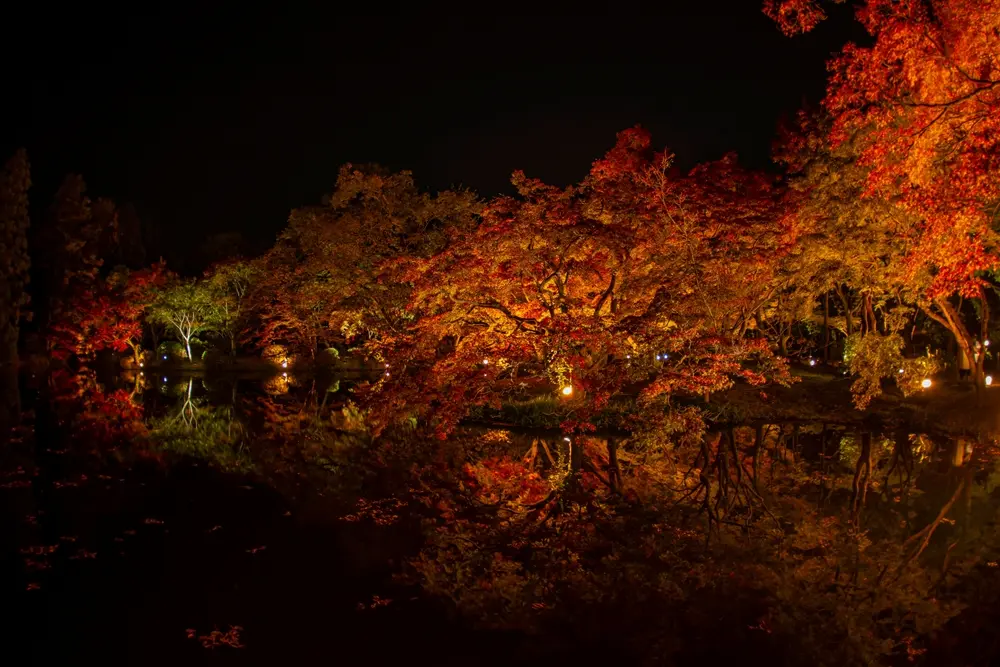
column 161, row 518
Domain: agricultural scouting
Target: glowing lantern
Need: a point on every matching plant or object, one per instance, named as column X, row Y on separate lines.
column 567, row 390
column 900, row 371
column 486, row 362
column 986, row 343
column 989, row 380
column 926, row 383
column 812, row 362
column 284, row 364
column 284, row 375
column 140, row 364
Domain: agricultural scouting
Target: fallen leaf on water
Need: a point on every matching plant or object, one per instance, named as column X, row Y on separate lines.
column 40, row 550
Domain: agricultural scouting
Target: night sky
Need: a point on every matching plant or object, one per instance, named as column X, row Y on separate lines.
column 218, row 121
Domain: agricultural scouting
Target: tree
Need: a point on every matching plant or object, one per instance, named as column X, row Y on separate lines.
column 230, row 284
column 187, row 308
column 324, row 271
column 634, row 276
column 921, row 107
column 15, row 179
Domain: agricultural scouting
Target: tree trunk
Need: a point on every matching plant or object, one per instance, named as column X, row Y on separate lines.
column 614, row 468
column 870, row 314
column 846, row 302
column 826, row 327
column 575, row 457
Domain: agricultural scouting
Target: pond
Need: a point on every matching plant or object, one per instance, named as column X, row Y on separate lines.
column 166, row 518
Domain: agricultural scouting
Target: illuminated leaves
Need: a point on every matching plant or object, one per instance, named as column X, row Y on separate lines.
column 634, row 275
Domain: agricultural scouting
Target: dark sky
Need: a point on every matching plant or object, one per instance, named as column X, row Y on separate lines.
column 212, row 121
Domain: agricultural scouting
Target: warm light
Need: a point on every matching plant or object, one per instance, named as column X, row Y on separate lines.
column 989, row 380
column 567, row 439
column 925, row 383
column 657, row 357
column 986, row 342
column 140, row 364
column 812, row 362
column 628, row 356
column 284, row 364
column 284, row 375
column 900, row 371
column 387, row 373
column 567, row 390
column 486, row 362
column 387, row 365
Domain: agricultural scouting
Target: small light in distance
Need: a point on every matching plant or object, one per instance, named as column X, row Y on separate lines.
column 926, row 383
column 567, row 439
column 140, row 364
column 986, row 343
column 486, row 362
column 567, row 390
column 628, row 356
column 284, row 364
column 989, row 380
column 657, row 357
column 164, row 357
column 164, row 379
column 284, row 375
column 812, row 362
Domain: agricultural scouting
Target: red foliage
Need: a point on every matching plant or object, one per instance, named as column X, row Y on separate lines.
column 588, row 285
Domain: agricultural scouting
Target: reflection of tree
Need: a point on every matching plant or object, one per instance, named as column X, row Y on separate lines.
column 197, row 429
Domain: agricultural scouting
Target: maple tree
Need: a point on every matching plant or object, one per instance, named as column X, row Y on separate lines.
column 921, row 109
column 636, row 275
column 230, row 284
column 325, row 266
column 187, row 308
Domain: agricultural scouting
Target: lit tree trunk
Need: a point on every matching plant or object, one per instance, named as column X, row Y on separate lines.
column 846, row 302
column 951, row 319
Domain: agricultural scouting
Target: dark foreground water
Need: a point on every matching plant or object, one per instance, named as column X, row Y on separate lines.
column 132, row 560
column 224, row 543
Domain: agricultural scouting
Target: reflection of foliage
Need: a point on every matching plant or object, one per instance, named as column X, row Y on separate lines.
column 98, row 417
column 209, row 432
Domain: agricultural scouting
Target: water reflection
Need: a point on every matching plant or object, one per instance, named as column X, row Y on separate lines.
column 806, row 524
